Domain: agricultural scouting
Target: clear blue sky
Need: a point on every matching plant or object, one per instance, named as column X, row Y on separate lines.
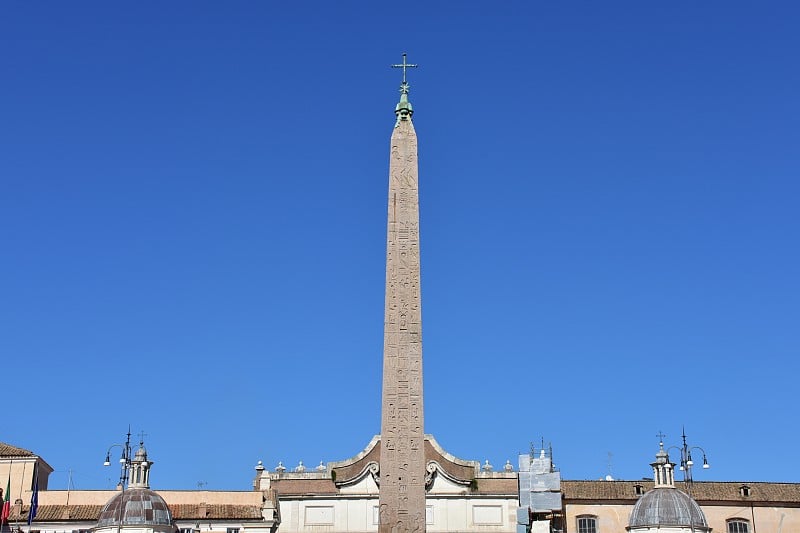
column 192, row 204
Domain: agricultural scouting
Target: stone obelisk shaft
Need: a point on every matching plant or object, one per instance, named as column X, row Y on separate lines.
column 402, row 462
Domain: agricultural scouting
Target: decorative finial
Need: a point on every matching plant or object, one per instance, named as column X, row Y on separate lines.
column 403, row 110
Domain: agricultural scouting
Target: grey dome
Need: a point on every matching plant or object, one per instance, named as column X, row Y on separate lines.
column 667, row 507
column 135, row 507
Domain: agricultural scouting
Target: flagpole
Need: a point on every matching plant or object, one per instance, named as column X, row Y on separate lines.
column 34, row 497
column 21, row 489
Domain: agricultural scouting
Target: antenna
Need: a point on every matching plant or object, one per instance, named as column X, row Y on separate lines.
column 609, row 476
column 69, row 484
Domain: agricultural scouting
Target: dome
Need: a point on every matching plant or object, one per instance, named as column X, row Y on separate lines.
column 135, row 507
column 667, row 507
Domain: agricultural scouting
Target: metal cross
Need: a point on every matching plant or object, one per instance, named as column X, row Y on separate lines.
column 404, row 66
column 660, row 436
column 142, row 435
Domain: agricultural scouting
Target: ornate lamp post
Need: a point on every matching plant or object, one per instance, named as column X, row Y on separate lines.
column 686, row 460
column 125, row 466
column 125, row 460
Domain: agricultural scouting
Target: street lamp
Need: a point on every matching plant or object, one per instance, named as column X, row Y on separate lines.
column 124, row 460
column 125, row 465
column 687, row 462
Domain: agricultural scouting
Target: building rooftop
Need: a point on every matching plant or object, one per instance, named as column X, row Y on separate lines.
column 704, row 492
column 7, row 450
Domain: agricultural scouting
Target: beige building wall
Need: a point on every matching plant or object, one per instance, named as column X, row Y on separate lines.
column 360, row 515
column 21, row 472
column 355, row 510
column 610, row 517
column 613, row 518
column 777, row 519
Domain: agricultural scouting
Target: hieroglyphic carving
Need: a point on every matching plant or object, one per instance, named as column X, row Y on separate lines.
column 402, row 462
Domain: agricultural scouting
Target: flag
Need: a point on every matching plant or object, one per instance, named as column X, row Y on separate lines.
column 6, row 502
column 34, row 496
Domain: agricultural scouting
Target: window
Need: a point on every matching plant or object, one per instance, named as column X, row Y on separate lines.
column 737, row 525
column 639, row 489
column 744, row 490
column 187, row 530
column 232, row 530
column 587, row 524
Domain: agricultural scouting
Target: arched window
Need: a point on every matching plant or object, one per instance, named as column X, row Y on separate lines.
column 587, row 524
column 738, row 525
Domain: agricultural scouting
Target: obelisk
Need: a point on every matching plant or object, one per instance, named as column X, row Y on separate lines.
column 402, row 462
